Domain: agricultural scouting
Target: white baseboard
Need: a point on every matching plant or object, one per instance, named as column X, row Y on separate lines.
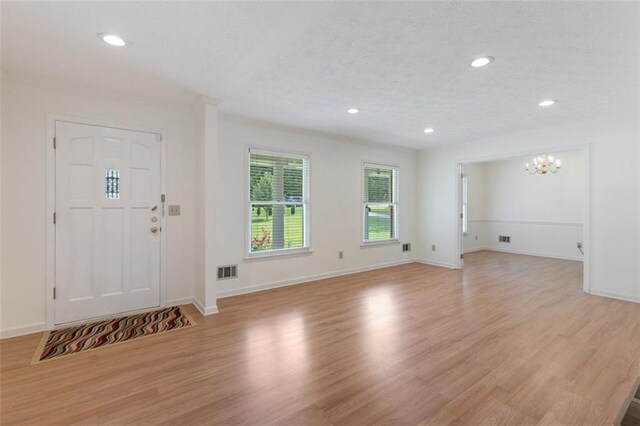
column 308, row 278
column 475, row 249
column 22, row 330
column 178, row 302
column 527, row 253
column 613, row 295
column 439, row 264
column 209, row 310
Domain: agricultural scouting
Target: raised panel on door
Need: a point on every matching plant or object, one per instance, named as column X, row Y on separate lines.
column 79, row 262
column 107, row 257
column 112, row 259
column 141, row 270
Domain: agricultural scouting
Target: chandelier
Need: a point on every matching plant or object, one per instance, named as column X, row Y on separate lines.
column 544, row 164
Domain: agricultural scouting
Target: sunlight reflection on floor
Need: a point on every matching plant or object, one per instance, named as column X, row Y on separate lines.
column 277, row 349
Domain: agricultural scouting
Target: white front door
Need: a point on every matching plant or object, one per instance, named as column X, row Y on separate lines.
column 108, row 219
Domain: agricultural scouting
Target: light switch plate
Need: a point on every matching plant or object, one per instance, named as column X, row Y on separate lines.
column 174, row 210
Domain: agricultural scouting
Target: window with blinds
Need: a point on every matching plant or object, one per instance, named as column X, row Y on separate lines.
column 279, row 200
column 380, row 203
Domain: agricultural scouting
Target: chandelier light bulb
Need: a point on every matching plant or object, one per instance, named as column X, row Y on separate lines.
column 544, row 164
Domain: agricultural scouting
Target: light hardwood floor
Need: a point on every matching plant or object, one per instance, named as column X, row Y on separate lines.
column 512, row 339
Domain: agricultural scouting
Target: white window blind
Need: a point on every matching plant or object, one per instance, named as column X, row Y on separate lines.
column 279, row 200
column 380, row 203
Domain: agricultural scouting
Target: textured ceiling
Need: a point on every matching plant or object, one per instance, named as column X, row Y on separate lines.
column 406, row 65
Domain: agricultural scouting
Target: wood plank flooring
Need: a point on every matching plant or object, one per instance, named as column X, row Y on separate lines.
column 509, row 340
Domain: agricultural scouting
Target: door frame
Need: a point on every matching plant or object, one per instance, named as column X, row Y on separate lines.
column 51, row 202
column 585, row 149
column 459, row 233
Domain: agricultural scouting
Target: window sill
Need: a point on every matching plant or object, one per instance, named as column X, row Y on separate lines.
column 278, row 254
column 367, row 244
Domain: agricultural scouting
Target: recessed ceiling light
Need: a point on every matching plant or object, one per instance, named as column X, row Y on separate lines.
column 481, row 61
column 113, row 40
column 353, row 110
column 547, row 102
column 428, row 130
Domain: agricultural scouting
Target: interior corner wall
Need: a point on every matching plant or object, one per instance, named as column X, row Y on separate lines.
column 335, row 206
column 25, row 106
column 613, row 242
column 205, row 288
column 199, row 280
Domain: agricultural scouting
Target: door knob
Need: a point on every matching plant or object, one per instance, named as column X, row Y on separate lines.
column 154, row 229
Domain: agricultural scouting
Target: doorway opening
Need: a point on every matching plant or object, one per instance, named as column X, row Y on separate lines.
column 511, row 205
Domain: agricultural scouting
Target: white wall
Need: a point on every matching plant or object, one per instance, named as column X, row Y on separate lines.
column 542, row 214
column 427, row 196
column 613, row 230
column 1, row 76
column 25, row 106
column 207, row 184
column 335, row 196
column 335, row 203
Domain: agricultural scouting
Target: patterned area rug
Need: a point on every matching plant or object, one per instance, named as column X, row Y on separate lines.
column 82, row 338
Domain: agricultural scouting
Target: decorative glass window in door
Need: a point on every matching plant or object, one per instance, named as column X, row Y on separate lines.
column 112, row 184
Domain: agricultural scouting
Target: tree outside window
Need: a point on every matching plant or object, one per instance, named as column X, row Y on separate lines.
column 279, row 201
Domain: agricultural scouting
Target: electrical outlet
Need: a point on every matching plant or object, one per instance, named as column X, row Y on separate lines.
column 174, row 210
column 433, row 247
column 340, row 255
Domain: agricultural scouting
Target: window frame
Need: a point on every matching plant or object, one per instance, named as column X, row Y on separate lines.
column 306, row 205
column 396, row 204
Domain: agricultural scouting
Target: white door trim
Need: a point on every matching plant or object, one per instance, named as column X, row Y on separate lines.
column 51, row 202
column 586, row 246
column 460, row 235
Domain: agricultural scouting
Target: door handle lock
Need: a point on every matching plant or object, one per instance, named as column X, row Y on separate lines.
column 154, row 229
column 154, row 219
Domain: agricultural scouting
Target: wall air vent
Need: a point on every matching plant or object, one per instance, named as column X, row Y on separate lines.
column 226, row 272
